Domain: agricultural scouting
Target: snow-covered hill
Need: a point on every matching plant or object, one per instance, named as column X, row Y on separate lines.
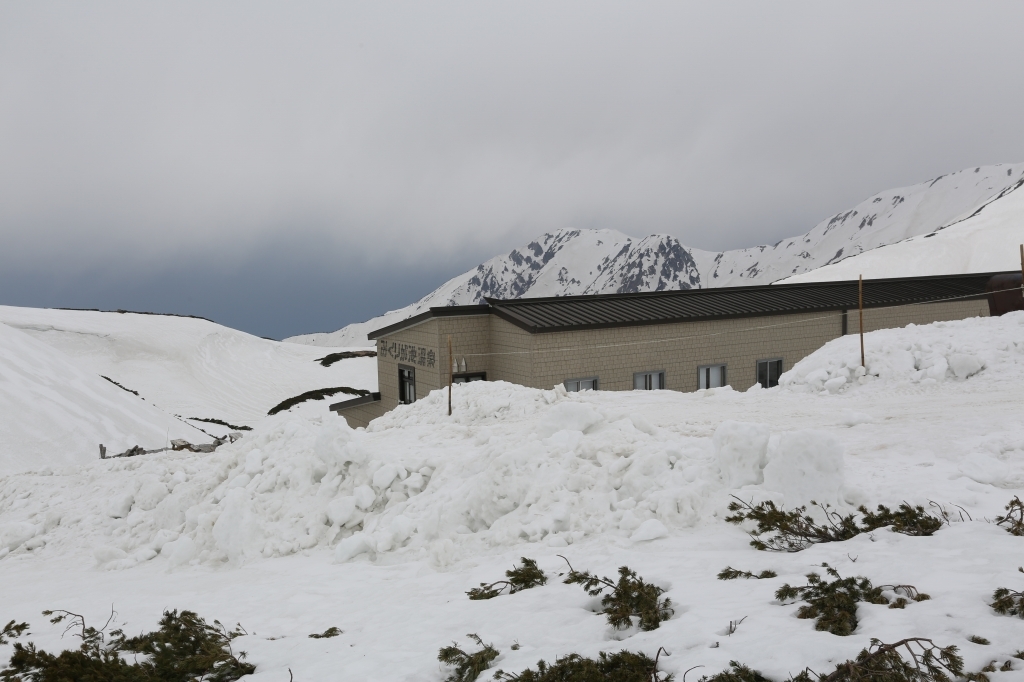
column 189, row 367
column 53, row 413
column 988, row 240
column 396, row 522
column 570, row 262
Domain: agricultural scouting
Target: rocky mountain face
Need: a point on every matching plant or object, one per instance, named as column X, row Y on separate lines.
column 573, row 262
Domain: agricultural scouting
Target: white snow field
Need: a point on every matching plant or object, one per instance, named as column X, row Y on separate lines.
column 578, row 261
column 987, row 240
column 52, row 413
column 306, row 524
column 190, row 367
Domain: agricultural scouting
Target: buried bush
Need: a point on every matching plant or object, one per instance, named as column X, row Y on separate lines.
column 467, row 666
column 779, row 530
column 326, row 634
column 909, row 660
column 519, row 578
column 833, row 605
column 628, row 598
column 12, row 631
column 730, row 573
column 184, row 649
column 625, row 666
column 906, row 520
column 1013, row 520
column 1008, row 602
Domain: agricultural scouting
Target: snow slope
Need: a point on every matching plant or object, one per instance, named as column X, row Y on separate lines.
column 986, row 241
column 573, row 262
column 52, row 413
column 190, row 367
column 381, row 531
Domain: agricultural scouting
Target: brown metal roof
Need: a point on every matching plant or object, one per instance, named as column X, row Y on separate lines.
column 564, row 313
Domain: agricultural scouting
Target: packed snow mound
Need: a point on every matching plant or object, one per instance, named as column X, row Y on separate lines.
column 190, row 366
column 916, row 354
column 52, row 413
column 575, row 262
column 985, row 240
column 512, row 465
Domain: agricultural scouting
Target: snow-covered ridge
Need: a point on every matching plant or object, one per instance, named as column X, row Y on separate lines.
column 573, row 262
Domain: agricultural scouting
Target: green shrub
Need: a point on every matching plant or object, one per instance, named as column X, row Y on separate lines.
column 12, row 631
column 519, row 578
column 790, row 531
column 326, row 634
column 906, row 520
column 978, row 639
column 736, row 673
column 779, row 530
column 1013, row 520
column 184, row 649
column 833, row 605
column 628, row 598
column 730, row 573
column 625, row 666
column 467, row 666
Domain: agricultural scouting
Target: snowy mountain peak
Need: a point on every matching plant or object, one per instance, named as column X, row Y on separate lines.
column 577, row 261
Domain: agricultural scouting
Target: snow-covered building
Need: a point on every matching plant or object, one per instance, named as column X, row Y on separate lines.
column 677, row 340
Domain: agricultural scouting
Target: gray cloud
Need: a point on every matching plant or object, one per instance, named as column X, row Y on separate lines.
column 138, row 137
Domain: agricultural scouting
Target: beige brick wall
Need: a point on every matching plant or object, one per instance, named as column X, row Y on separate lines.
column 924, row 313
column 614, row 355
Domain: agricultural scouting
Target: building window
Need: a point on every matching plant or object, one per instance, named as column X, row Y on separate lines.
column 768, row 372
column 573, row 385
column 711, row 376
column 406, row 384
column 465, row 377
column 648, row 381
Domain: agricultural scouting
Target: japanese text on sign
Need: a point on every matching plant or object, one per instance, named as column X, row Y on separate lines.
column 414, row 355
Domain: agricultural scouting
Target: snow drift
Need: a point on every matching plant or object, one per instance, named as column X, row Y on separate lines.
column 516, row 465
column 52, row 413
column 189, row 366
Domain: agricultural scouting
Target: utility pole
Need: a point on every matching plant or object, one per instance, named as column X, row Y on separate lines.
column 860, row 306
column 450, row 375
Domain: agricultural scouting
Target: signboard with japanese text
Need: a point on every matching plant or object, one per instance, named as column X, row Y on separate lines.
column 409, row 354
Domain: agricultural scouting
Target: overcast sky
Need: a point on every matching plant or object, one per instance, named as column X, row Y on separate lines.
column 292, row 167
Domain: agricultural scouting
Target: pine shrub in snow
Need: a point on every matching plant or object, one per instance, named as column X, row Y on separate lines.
column 184, row 649
column 624, row 666
column 833, row 604
column 730, row 573
column 630, row 597
column 11, row 631
column 779, row 530
column 468, row 666
column 1013, row 520
column 1007, row 602
column 519, row 578
column 914, row 659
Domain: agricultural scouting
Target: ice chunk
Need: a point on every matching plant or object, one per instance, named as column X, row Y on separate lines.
column 651, row 529
column 179, row 551
column 806, row 466
column 341, row 509
column 353, row 546
column 569, row 416
column 741, row 449
column 236, row 531
column 383, row 477
column 964, row 365
column 119, row 505
column 833, row 385
column 151, row 492
column 364, row 497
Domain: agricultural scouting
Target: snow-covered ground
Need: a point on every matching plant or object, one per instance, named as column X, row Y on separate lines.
column 576, row 261
column 56, row 408
column 305, row 524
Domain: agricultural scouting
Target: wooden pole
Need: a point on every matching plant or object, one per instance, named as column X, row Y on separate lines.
column 860, row 306
column 449, row 375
